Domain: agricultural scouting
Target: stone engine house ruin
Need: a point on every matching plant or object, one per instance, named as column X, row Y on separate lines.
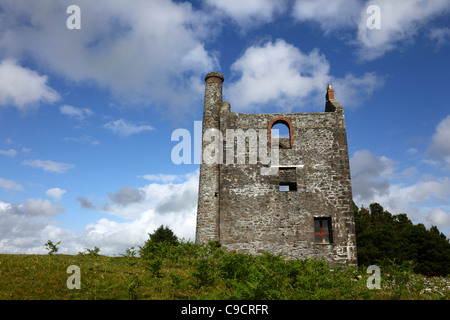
column 301, row 210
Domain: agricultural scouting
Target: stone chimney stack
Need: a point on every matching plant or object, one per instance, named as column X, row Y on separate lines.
column 208, row 194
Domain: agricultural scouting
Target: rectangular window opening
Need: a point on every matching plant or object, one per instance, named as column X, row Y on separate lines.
column 322, row 230
column 288, row 186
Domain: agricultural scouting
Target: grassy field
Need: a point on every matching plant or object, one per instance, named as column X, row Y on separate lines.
column 190, row 272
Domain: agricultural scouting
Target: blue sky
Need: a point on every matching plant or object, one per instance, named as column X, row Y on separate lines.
column 86, row 115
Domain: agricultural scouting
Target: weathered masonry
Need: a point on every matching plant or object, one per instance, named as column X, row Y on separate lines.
column 303, row 209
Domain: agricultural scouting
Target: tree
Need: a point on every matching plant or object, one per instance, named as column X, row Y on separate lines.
column 161, row 236
column 382, row 236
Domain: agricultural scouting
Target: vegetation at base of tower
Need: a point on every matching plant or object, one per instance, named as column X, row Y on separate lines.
column 382, row 236
column 192, row 271
column 171, row 268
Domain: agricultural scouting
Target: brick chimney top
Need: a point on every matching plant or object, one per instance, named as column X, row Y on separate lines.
column 330, row 93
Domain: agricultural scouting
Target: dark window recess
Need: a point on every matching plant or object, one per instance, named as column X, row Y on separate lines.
column 288, row 186
column 322, row 230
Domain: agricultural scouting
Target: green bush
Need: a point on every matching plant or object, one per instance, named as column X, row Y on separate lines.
column 159, row 243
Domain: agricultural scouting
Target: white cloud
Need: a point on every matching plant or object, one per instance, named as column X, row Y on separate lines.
column 23, row 88
column 351, row 91
column 369, row 175
column 412, row 151
column 440, row 35
column 146, row 52
column 438, row 217
column 10, row 185
column 86, row 203
column 160, row 198
column 330, row 15
column 170, row 204
column 76, row 113
column 250, row 12
column 48, row 165
column 9, row 153
column 125, row 128
column 425, row 200
column 401, row 21
column 127, row 195
column 26, row 227
column 440, row 146
column 165, row 178
column 34, row 208
column 280, row 75
column 55, row 193
column 84, row 138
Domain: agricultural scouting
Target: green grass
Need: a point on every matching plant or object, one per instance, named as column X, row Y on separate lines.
column 190, row 271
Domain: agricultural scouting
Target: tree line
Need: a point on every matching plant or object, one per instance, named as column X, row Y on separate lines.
column 382, row 236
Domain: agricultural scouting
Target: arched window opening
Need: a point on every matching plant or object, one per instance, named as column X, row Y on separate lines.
column 281, row 128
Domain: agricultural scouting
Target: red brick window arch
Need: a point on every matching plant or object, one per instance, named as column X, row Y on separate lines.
column 287, row 123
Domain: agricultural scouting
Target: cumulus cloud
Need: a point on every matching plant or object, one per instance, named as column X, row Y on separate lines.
column 33, row 208
column 83, row 139
column 145, row 209
column 351, row 91
column 280, row 75
column 10, row 185
column 369, row 175
column 48, row 165
column 438, row 217
column 248, row 13
column 125, row 128
column 440, row 35
column 10, row 153
column 145, row 52
column 165, row 178
column 55, row 193
column 23, row 88
column 440, row 146
column 401, row 21
column 127, row 195
column 76, row 113
column 86, row 203
column 425, row 201
column 25, row 227
column 330, row 15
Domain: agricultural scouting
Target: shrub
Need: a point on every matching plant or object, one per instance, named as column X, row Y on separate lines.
column 51, row 247
column 158, row 243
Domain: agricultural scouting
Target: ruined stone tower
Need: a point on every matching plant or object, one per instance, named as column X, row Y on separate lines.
column 281, row 194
